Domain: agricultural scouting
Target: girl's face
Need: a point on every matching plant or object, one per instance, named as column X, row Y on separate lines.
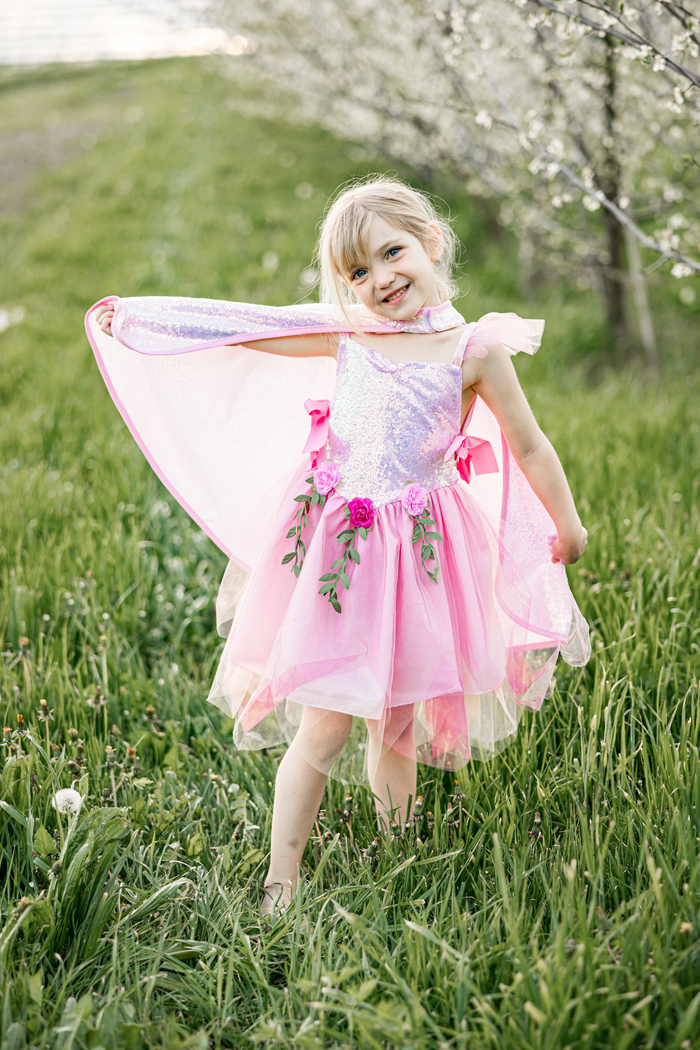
column 397, row 278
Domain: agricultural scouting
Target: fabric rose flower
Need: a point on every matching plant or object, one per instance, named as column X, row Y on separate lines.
column 414, row 500
column 326, row 478
column 361, row 513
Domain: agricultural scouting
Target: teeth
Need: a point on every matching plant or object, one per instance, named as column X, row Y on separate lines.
column 395, row 295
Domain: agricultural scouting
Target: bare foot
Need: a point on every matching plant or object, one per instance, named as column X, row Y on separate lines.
column 277, row 897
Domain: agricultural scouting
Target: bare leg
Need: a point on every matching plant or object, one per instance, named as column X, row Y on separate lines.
column 393, row 783
column 299, row 787
column 393, row 767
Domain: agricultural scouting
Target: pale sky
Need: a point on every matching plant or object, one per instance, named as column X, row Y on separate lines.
column 39, row 31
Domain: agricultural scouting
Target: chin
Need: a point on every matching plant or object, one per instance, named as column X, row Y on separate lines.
column 403, row 310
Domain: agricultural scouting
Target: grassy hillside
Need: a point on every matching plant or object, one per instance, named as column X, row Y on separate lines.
column 557, row 903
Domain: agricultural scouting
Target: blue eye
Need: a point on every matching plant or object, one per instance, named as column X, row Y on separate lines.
column 358, row 273
column 392, row 251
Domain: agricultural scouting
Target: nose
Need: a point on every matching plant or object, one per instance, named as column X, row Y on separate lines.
column 384, row 275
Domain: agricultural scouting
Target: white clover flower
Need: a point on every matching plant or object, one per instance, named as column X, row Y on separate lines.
column 68, row 800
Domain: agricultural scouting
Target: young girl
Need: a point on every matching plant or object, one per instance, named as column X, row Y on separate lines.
column 407, row 569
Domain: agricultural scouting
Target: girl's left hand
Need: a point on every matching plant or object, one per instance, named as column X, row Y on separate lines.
column 569, row 549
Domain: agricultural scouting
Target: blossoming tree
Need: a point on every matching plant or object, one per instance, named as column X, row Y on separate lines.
column 573, row 116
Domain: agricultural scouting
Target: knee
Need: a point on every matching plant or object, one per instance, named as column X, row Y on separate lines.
column 397, row 730
column 323, row 739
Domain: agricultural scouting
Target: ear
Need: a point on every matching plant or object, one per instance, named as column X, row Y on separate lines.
column 436, row 242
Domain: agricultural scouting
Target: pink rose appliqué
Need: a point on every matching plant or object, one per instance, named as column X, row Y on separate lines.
column 361, row 513
column 326, row 478
column 414, row 500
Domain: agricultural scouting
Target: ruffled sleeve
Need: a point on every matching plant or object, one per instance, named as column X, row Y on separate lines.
column 517, row 334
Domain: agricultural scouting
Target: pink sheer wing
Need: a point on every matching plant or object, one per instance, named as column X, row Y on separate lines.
column 192, row 414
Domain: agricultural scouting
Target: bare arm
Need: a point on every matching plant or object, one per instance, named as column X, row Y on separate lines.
column 493, row 378
column 317, row 344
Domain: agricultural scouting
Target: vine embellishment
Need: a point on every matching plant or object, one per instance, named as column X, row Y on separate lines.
column 301, row 517
column 416, row 502
column 323, row 481
column 360, row 514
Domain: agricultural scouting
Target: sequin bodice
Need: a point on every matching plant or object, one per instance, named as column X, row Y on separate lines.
column 391, row 424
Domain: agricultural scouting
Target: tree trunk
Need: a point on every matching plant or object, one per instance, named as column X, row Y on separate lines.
column 639, row 288
column 613, row 270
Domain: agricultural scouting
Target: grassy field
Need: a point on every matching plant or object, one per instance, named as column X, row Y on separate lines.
column 555, row 898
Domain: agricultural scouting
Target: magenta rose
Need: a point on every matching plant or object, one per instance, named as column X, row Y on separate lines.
column 326, row 478
column 361, row 513
column 414, row 500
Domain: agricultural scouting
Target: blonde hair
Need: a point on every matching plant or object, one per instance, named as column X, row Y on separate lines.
column 344, row 231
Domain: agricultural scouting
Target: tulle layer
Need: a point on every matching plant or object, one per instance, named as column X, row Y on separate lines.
column 438, row 671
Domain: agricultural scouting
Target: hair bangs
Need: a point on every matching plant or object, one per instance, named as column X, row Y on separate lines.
column 349, row 238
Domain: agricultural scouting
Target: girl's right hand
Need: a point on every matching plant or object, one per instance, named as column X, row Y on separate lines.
column 570, row 550
column 105, row 316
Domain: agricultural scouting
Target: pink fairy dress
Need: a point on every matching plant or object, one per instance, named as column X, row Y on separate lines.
column 436, row 657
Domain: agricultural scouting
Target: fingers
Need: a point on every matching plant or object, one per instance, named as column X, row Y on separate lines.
column 568, row 553
column 104, row 318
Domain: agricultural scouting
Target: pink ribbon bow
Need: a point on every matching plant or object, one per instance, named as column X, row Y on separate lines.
column 319, row 412
column 472, row 451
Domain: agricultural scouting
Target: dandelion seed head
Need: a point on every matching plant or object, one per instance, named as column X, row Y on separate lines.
column 68, row 800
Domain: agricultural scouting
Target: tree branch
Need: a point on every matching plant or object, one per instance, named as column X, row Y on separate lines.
column 637, row 40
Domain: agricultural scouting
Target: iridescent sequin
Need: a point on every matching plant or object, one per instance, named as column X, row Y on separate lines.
column 155, row 324
column 391, row 424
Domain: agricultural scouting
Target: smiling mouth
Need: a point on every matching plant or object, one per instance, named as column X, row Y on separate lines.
column 395, row 296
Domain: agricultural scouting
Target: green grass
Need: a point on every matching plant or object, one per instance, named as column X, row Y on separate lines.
column 557, row 902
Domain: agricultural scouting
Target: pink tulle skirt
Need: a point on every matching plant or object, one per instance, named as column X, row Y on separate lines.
column 439, row 672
